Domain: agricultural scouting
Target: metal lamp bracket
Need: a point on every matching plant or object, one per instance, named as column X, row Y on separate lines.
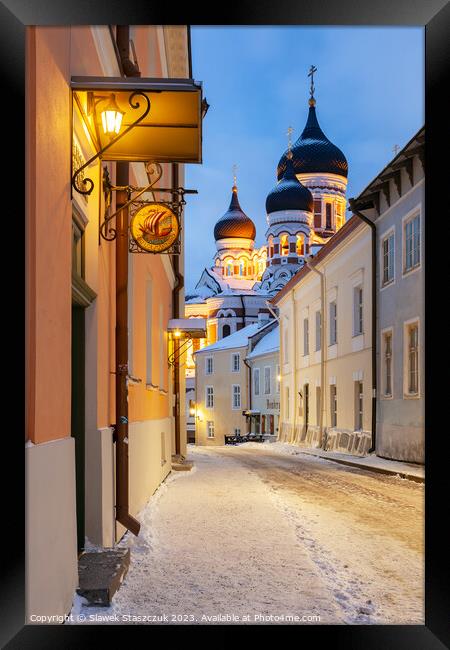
column 88, row 182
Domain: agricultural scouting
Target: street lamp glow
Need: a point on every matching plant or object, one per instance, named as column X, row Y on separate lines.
column 112, row 117
column 177, row 333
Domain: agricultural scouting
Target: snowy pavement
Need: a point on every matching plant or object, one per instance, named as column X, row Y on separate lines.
column 253, row 535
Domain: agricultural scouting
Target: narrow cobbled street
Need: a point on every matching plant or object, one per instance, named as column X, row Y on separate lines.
column 257, row 535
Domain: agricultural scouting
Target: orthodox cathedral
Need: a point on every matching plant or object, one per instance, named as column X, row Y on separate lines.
column 304, row 209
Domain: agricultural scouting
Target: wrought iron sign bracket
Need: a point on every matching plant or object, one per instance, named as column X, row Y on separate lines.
column 176, row 354
column 109, row 233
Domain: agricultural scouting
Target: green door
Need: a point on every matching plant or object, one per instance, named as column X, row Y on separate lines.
column 78, row 413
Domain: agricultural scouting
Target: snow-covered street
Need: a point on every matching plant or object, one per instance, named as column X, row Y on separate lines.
column 258, row 534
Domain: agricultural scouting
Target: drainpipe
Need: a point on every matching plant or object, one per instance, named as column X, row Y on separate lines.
column 179, row 284
column 294, row 365
column 249, row 391
column 130, row 69
column 322, row 344
column 352, row 203
column 123, row 515
column 122, row 463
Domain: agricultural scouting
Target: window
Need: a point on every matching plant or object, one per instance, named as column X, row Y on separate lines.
column 318, row 330
column 333, row 322
column 237, row 431
column 236, row 401
column 412, row 332
column 284, row 245
column 387, row 259
column 209, row 397
column 412, row 243
column 210, row 429
column 287, row 409
column 339, row 215
column 357, row 311
column 317, row 213
column 267, row 380
column 358, row 405
column 278, row 380
column 256, row 381
column 333, row 405
column 318, row 404
column 242, row 268
column 387, row 364
column 235, row 362
column 328, row 225
column 209, row 367
column 270, row 246
column 300, row 244
column 77, row 249
column 305, row 337
column 226, row 330
column 229, row 269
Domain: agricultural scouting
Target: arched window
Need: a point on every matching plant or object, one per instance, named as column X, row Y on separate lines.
column 271, row 246
column 300, row 244
column 229, row 269
column 226, row 330
column 242, row 267
column 284, row 245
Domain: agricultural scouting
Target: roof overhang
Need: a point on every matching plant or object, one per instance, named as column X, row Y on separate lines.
column 195, row 328
column 170, row 132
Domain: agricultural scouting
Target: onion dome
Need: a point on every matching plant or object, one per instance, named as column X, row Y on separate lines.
column 289, row 193
column 313, row 152
column 234, row 222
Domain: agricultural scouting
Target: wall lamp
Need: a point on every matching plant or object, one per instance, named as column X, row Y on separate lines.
column 139, row 120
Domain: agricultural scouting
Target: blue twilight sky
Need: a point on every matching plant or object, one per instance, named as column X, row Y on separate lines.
column 369, row 88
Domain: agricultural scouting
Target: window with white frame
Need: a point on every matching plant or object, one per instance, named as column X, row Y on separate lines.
column 387, row 258
column 209, row 366
column 235, row 362
column 305, row 337
column 359, row 394
column 256, row 381
column 411, row 235
column 357, row 310
column 278, row 383
column 333, row 322
column 387, row 363
column 412, row 358
column 318, row 330
column 209, row 397
column 317, row 213
column 237, row 431
column 210, row 429
column 236, row 396
column 333, row 405
column 267, row 380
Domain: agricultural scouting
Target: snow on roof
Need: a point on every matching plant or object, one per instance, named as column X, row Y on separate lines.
column 269, row 343
column 238, row 339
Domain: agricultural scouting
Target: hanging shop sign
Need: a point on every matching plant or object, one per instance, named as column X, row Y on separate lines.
column 154, row 227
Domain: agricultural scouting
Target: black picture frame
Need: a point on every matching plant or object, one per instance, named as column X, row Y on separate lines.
column 434, row 16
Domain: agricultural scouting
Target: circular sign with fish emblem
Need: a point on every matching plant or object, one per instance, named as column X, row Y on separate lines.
column 154, row 227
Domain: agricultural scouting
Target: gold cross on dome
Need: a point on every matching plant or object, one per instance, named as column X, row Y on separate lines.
column 311, row 72
column 234, row 173
column 289, row 132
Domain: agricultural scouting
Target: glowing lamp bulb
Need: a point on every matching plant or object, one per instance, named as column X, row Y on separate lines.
column 112, row 117
column 191, row 411
column 177, row 333
column 278, row 377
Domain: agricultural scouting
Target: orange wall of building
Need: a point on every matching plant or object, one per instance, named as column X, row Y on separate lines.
column 48, row 223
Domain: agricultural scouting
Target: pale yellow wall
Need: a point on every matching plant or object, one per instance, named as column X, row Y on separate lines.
column 349, row 261
column 225, row 418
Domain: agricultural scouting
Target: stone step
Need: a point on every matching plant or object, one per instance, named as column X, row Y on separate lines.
column 100, row 575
